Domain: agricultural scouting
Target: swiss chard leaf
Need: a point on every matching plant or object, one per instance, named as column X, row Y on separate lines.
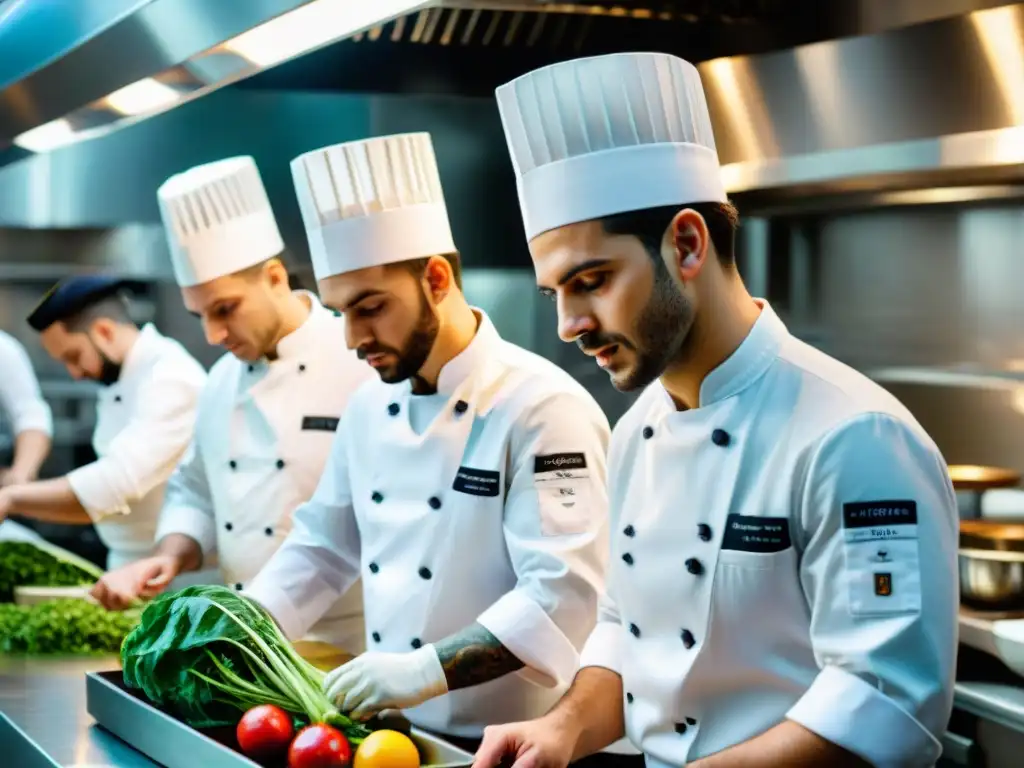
column 208, row 653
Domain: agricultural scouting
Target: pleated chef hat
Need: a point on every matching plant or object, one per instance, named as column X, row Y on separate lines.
column 609, row 134
column 372, row 202
column 218, row 220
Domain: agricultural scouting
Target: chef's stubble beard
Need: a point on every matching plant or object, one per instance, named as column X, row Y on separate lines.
column 110, row 371
column 663, row 332
column 416, row 349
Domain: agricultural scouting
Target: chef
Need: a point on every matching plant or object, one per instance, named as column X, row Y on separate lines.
column 26, row 413
column 783, row 581
column 466, row 487
column 268, row 413
column 145, row 414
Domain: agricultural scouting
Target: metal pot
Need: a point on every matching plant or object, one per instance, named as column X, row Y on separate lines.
column 991, row 563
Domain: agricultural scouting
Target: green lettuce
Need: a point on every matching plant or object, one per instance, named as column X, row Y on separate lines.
column 207, row 654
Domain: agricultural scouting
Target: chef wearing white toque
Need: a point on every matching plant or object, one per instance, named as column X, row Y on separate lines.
column 267, row 415
column 783, row 587
column 466, row 487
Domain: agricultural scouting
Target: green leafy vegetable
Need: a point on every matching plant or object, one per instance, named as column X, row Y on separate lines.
column 30, row 565
column 208, row 654
column 64, row 627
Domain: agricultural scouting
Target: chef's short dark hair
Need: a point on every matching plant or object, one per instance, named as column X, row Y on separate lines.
column 114, row 308
column 649, row 226
column 417, row 267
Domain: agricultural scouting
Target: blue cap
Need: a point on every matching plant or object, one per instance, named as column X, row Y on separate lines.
column 71, row 295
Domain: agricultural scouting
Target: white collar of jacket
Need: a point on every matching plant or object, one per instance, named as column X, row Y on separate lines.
column 468, row 361
column 144, row 346
column 306, row 340
column 747, row 364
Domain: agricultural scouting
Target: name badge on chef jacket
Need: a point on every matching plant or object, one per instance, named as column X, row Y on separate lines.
column 764, row 535
column 882, row 557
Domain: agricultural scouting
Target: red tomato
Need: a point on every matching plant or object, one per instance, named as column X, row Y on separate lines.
column 264, row 731
column 320, row 746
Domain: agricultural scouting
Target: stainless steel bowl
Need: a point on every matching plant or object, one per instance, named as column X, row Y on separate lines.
column 989, row 583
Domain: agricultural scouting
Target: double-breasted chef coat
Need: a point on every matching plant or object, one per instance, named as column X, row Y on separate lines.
column 144, row 423
column 22, row 407
column 262, row 438
column 785, row 550
column 484, row 502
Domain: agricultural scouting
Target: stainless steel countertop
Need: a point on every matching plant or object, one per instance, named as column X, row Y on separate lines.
column 998, row 702
column 46, row 699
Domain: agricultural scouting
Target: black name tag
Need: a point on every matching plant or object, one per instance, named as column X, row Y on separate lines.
column 320, row 423
column 756, row 534
column 556, row 461
column 868, row 514
column 477, row 482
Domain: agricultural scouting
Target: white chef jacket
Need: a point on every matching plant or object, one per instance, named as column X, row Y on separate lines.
column 20, row 399
column 785, row 550
column 485, row 502
column 144, row 422
column 262, row 438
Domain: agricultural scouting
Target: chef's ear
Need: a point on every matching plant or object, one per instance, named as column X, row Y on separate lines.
column 438, row 276
column 689, row 239
column 103, row 328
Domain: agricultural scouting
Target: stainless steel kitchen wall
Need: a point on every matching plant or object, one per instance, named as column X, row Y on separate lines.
column 927, row 300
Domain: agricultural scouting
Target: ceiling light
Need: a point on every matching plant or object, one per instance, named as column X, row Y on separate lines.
column 48, row 136
column 313, row 25
column 146, row 95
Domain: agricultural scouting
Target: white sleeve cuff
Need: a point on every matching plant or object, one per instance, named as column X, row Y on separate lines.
column 277, row 603
column 840, row 707
column 94, row 492
column 604, row 647
column 36, row 416
column 528, row 632
column 190, row 522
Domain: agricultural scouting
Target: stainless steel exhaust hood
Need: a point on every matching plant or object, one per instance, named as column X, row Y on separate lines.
column 75, row 69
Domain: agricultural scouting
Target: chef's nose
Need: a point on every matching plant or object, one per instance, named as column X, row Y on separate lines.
column 573, row 322
column 216, row 332
column 355, row 336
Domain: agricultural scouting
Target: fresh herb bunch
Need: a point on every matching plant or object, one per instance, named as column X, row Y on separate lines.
column 208, row 654
column 26, row 565
column 63, row 627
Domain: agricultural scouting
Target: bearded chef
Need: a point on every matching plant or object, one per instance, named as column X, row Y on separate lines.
column 268, row 413
column 25, row 412
column 145, row 414
column 783, row 582
column 466, row 487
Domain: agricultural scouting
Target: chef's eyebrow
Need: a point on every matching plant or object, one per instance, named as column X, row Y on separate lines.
column 362, row 296
column 573, row 272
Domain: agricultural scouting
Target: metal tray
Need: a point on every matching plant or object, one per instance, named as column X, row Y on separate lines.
column 18, row 749
column 169, row 742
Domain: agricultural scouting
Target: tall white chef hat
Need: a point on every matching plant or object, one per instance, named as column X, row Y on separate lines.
column 609, row 134
column 218, row 220
column 372, row 202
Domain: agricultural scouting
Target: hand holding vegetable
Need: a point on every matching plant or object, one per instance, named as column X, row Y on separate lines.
column 146, row 578
column 376, row 681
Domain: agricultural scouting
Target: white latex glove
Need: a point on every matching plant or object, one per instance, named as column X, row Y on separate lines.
column 376, row 681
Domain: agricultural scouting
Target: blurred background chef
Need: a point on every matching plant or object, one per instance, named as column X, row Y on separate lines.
column 270, row 408
column 476, row 512
column 28, row 415
column 145, row 414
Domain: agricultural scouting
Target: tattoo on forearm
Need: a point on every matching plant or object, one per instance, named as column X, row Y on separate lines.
column 474, row 656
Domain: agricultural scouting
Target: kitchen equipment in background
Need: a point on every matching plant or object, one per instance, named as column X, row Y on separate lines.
column 976, row 480
column 991, row 562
